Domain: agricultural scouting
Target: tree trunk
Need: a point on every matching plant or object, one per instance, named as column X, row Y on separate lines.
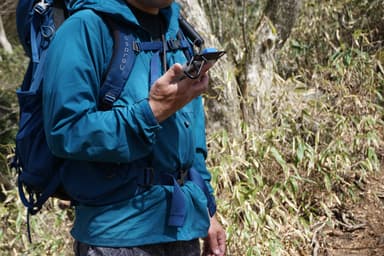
column 221, row 101
column 272, row 32
column 3, row 38
column 7, row 12
column 243, row 82
column 283, row 15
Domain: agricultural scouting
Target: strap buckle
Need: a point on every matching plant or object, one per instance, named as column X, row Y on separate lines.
column 109, row 99
column 174, row 44
column 135, row 47
column 41, row 7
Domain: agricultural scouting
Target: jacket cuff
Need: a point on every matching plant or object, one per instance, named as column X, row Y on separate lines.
column 212, row 205
column 146, row 120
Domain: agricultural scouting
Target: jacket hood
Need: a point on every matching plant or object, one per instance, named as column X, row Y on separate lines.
column 119, row 10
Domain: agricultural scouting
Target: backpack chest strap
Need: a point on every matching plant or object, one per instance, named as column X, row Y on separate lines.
column 126, row 49
column 170, row 45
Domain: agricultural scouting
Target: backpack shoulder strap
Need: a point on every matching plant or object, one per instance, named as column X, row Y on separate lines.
column 125, row 49
column 120, row 66
column 188, row 33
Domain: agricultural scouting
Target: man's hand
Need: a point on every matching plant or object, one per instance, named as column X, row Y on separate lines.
column 214, row 243
column 168, row 94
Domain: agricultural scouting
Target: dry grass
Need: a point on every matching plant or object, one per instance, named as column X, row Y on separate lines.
column 278, row 186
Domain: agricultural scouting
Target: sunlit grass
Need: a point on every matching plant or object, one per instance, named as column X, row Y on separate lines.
column 293, row 174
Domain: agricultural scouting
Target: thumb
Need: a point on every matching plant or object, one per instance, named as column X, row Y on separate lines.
column 173, row 73
column 213, row 244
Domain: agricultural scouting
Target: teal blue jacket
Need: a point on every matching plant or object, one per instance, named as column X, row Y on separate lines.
column 101, row 147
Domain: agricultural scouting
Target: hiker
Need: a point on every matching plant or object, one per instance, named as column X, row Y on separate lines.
column 136, row 171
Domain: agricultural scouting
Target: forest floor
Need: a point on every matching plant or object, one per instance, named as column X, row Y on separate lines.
column 360, row 225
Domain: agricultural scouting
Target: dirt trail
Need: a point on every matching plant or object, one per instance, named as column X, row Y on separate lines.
column 360, row 231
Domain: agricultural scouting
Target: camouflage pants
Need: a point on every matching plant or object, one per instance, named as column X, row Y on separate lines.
column 180, row 248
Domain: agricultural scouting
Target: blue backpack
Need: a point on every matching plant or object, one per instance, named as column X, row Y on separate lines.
column 38, row 168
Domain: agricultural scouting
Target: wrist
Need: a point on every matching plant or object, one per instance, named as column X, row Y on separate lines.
column 157, row 110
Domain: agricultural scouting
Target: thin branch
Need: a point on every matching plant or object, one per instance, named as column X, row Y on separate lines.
column 315, row 243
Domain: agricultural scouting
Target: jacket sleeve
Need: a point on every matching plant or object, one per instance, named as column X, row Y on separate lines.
column 199, row 162
column 74, row 126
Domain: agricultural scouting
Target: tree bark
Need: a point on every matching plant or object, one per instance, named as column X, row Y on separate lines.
column 283, row 15
column 7, row 23
column 272, row 32
column 221, row 100
column 3, row 38
column 244, row 96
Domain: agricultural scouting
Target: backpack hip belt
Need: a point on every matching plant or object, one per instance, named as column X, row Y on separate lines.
column 177, row 210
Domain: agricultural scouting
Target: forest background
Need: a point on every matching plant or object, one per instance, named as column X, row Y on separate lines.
column 295, row 129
